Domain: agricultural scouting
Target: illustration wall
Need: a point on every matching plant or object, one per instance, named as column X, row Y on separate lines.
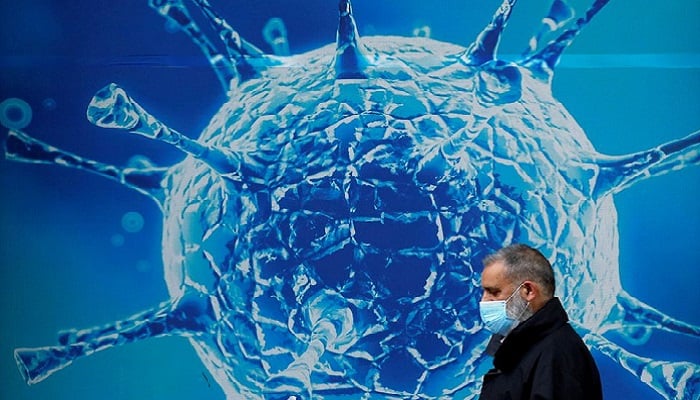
column 326, row 229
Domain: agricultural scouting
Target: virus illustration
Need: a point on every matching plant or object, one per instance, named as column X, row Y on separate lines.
column 323, row 237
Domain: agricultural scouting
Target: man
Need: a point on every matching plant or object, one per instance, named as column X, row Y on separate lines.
column 537, row 354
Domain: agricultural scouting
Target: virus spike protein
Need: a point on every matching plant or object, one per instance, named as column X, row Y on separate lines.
column 24, row 148
column 559, row 14
column 544, row 61
column 112, row 107
column 349, row 60
column 239, row 50
column 632, row 312
column 483, row 50
column 185, row 317
column 175, row 12
column 618, row 173
column 672, row 380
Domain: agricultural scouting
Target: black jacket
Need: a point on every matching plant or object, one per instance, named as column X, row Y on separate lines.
column 543, row 358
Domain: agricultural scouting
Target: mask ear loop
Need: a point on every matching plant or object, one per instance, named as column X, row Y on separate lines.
column 514, row 292
column 527, row 304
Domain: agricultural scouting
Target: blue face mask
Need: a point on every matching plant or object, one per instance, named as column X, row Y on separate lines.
column 495, row 317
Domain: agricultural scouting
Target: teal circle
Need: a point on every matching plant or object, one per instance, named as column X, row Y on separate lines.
column 15, row 113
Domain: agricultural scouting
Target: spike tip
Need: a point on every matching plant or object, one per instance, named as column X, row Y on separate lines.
column 484, row 47
column 350, row 62
column 112, row 107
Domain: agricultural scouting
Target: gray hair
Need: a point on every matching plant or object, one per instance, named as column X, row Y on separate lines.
column 522, row 263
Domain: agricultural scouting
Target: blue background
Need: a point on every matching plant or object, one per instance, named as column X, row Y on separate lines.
column 631, row 79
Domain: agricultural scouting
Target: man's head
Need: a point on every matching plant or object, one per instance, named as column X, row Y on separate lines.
column 521, row 271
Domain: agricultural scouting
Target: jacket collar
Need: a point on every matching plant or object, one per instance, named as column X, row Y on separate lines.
column 519, row 341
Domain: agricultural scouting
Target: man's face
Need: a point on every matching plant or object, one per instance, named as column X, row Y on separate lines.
column 497, row 287
column 495, row 284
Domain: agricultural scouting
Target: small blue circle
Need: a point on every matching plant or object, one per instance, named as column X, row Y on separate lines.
column 15, row 113
column 132, row 222
column 49, row 104
column 117, row 240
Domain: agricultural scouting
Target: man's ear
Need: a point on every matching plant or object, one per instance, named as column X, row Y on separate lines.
column 532, row 290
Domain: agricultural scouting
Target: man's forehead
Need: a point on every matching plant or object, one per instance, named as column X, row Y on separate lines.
column 494, row 275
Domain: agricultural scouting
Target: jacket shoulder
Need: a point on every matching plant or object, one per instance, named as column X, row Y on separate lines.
column 563, row 364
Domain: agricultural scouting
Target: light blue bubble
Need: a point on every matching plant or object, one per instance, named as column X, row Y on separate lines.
column 49, row 104
column 117, row 240
column 143, row 266
column 15, row 113
column 132, row 222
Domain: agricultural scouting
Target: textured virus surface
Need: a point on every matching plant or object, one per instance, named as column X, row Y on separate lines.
column 323, row 237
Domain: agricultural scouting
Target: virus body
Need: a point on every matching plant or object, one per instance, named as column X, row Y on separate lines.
column 323, row 237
